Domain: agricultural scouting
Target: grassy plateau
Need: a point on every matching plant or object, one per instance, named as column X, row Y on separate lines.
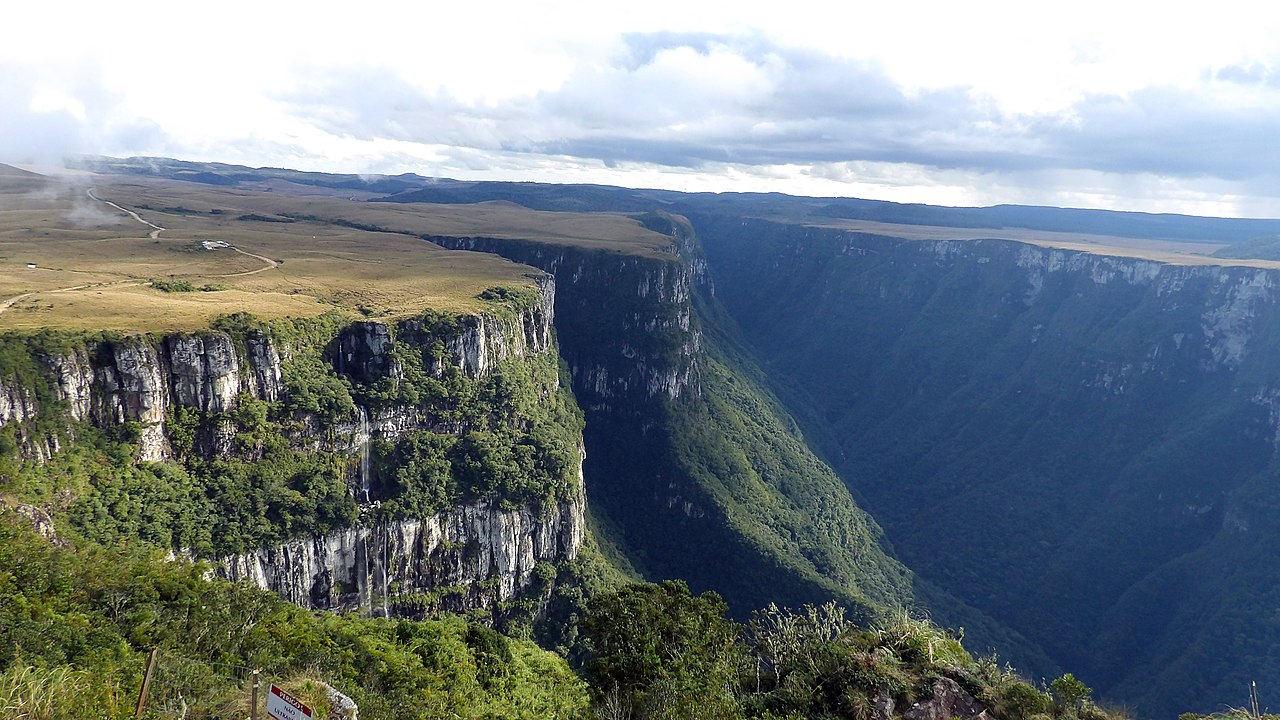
column 143, row 254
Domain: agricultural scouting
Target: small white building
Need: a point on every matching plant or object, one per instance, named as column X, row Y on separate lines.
column 31, row 266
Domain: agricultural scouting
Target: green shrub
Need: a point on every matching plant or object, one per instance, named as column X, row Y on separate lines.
column 172, row 286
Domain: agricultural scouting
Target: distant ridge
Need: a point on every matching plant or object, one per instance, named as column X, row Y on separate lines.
column 409, row 187
column 11, row 171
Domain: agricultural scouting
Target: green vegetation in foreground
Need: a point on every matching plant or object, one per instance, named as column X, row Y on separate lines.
column 661, row 652
column 1232, row 714
column 77, row 622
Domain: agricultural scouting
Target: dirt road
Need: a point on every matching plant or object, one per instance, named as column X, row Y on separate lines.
column 155, row 229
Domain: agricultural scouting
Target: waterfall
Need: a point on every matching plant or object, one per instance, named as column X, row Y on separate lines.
column 364, row 453
column 386, row 567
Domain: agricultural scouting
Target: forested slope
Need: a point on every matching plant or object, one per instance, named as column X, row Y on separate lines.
column 1082, row 447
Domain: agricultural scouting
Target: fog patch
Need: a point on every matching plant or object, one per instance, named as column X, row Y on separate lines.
column 86, row 213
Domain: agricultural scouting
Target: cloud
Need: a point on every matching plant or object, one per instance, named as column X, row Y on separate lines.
column 689, row 100
column 677, row 100
column 1172, row 132
column 30, row 133
column 737, row 107
column 50, row 113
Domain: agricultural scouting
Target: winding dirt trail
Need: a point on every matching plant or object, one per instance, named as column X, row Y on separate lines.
column 9, row 303
column 155, row 229
column 271, row 264
column 154, row 235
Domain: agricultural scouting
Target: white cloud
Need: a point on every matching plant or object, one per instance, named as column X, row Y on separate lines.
column 1132, row 105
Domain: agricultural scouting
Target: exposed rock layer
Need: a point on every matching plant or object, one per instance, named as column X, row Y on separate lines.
column 486, row 552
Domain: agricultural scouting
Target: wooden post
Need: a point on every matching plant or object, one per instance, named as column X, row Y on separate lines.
column 146, row 683
column 253, row 698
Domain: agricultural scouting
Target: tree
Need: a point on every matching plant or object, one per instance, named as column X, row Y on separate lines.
column 1071, row 692
column 661, row 652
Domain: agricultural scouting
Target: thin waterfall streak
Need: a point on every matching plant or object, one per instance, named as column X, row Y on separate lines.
column 364, row 453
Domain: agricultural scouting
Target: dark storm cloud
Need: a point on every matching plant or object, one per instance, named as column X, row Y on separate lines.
column 684, row 100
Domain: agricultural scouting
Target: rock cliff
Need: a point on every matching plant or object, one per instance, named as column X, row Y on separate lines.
column 1039, row 428
column 408, row 380
column 625, row 322
column 684, row 448
column 472, row 556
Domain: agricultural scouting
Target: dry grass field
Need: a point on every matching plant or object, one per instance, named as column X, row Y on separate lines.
column 501, row 220
column 70, row 260
column 1175, row 253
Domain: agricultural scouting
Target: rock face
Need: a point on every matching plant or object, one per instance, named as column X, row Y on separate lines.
column 946, row 700
column 625, row 322
column 140, row 380
column 488, row 550
column 628, row 331
column 364, row 352
column 205, row 371
column 264, row 366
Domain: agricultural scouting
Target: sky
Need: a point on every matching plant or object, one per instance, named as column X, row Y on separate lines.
column 1158, row 107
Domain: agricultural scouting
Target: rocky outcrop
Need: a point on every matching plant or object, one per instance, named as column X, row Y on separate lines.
column 205, row 371
column 946, row 700
column 484, row 552
column 264, row 366
column 37, row 517
column 17, row 401
column 625, row 322
column 340, row 704
column 73, row 375
column 487, row 550
column 364, row 353
column 141, row 379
